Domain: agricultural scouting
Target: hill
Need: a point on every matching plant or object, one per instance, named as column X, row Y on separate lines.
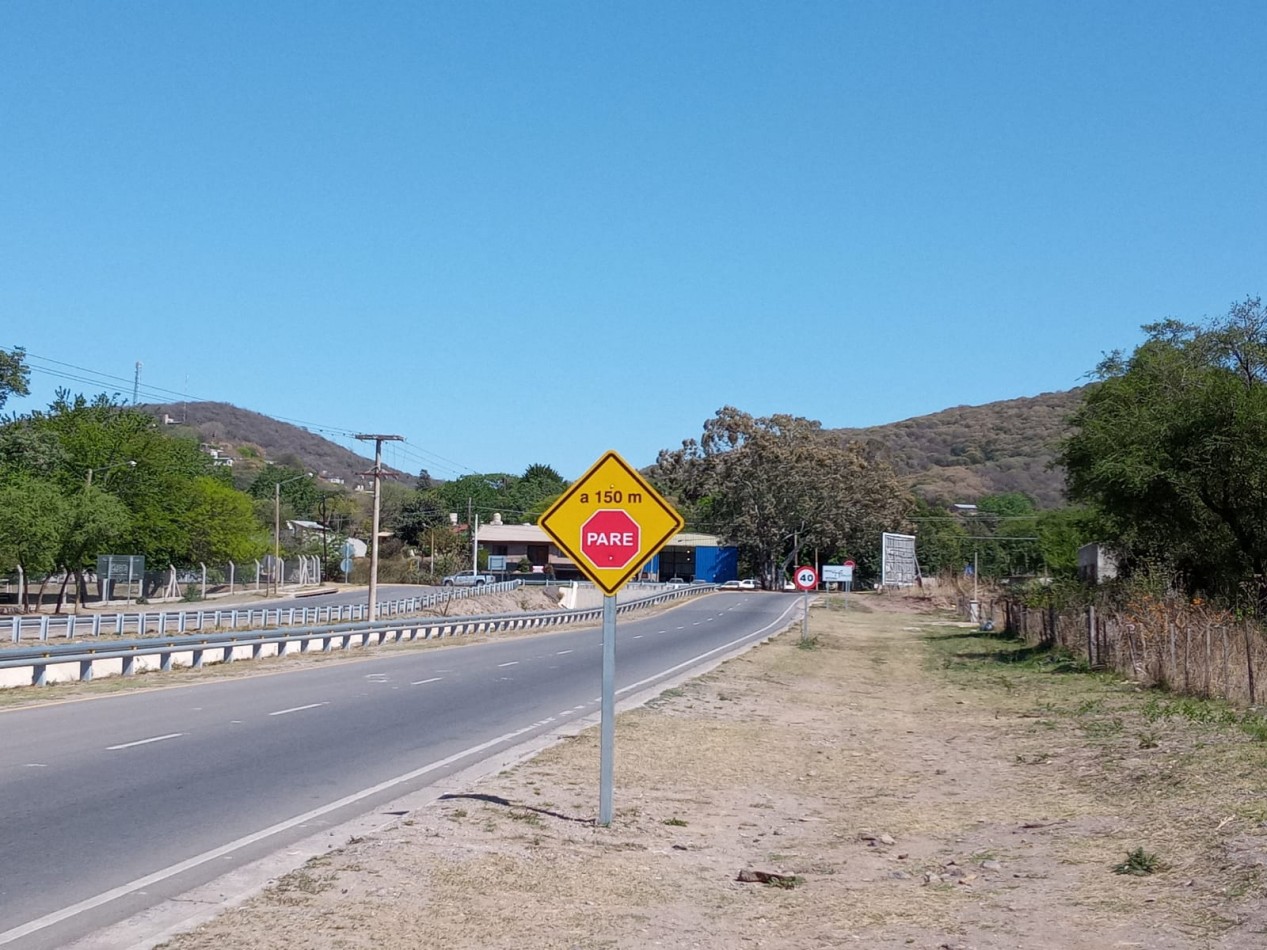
column 963, row 453
column 252, row 440
column 956, row 454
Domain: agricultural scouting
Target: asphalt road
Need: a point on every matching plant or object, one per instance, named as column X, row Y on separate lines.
column 113, row 805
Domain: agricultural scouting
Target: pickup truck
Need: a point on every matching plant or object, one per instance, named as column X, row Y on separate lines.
column 468, row 579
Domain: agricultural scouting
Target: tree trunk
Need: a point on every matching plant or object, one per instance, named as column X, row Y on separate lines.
column 61, row 593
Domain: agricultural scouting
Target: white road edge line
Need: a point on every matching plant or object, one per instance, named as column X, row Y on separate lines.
column 48, row 920
column 511, row 663
column 283, row 712
column 149, row 880
column 434, row 679
column 128, row 745
column 563, row 653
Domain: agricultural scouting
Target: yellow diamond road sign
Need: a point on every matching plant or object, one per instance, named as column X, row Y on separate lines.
column 610, row 522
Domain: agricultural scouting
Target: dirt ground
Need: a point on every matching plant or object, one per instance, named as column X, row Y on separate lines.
column 913, row 783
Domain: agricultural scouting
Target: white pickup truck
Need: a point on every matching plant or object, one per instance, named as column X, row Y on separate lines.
column 468, row 579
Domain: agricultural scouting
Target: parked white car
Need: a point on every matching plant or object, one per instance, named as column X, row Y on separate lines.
column 468, row 579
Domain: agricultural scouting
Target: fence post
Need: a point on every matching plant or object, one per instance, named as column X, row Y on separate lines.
column 1249, row 660
column 1091, row 635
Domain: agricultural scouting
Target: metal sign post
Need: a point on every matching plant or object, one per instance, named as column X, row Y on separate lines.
column 607, row 731
column 610, row 522
column 806, row 579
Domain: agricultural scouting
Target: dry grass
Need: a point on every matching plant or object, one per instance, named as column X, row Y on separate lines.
column 925, row 785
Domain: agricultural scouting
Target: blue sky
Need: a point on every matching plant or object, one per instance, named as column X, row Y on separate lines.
column 531, row 232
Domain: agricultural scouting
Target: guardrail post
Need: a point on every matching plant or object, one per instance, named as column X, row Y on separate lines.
column 96, row 625
column 180, row 622
column 39, row 674
column 162, row 622
column 196, row 662
column 119, row 620
column 233, row 619
column 70, row 626
column 290, row 618
column 228, row 653
column 129, row 665
column 282, row 646
column 43, row 628
column 85, row 671
column 165, row 661
column 17, row 629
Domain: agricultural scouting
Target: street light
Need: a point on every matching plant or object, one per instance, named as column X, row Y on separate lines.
column 277, row 526
column 130, row 463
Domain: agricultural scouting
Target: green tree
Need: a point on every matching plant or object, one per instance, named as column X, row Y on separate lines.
column 14, row 374
column 33, row 516
column 1170, row 449
column 778, row 486
column 221, row 525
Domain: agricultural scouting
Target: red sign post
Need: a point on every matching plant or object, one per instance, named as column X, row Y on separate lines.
column 610, row 538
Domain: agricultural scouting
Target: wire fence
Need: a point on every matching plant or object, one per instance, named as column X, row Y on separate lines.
column 1188, row 648
column 199, row 582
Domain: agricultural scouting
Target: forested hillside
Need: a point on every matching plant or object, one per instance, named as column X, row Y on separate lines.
column 957, row 454
column 252, row 440
column 963, row 453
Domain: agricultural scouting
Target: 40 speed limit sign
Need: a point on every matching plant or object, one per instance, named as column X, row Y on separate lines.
column 805, row 578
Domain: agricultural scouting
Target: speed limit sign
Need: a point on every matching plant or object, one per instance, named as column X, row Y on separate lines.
column 805, row 578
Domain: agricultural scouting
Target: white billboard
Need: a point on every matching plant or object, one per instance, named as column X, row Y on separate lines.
column 901, row 569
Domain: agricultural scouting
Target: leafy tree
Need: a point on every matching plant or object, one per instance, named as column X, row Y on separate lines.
column 14, row 374
column 96, row 521
column 100, row 455
column 220, row 524
column 33, row 516
column 779, row 485
column 299, row 494
column 1170, row 448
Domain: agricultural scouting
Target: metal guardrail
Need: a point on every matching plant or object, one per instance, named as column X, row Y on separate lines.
column 228, row 647
column 162, row 622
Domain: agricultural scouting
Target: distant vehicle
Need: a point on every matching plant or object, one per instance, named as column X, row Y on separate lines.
column 675, row 580
column 748, row 583
column 468, row 579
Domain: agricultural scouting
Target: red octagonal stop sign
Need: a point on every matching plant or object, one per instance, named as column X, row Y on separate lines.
column 610, row 538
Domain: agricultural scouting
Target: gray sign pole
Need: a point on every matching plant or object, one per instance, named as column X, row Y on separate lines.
column 608, row 728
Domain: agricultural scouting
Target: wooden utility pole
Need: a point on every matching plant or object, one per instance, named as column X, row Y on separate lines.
column 378, row 441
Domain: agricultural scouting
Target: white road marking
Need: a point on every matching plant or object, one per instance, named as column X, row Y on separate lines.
column 35, row 765
column 434, row 679
column 283, row 712
column 563, row 653
column 638, row 636
column 48, row 920
column 511, row 663
column 128, row 745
